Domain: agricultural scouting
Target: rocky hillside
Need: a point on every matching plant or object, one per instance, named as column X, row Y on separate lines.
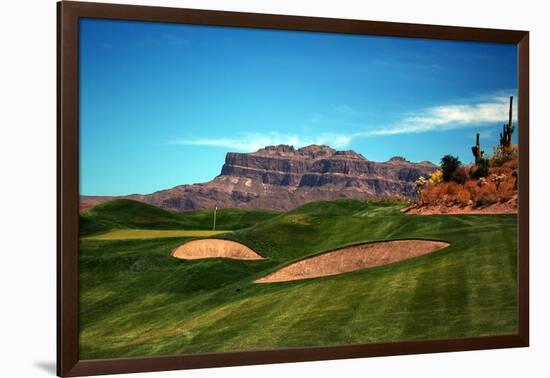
column 282, row 178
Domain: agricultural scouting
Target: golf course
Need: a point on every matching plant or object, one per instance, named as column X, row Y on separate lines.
column 142, row 293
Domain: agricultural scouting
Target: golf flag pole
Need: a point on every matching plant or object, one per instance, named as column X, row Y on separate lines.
column 214, row 226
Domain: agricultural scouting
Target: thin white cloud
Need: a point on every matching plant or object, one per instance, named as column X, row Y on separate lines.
column 250, row 142
column 480, row 112
column 447, row 117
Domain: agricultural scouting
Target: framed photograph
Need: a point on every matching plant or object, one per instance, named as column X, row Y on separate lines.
column 238, row 188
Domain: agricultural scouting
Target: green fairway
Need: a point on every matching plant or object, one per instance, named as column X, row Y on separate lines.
column 136, row 300
column 152, row 234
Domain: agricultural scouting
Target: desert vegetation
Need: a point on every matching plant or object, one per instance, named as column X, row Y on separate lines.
column 487, row 183
column 468, row 186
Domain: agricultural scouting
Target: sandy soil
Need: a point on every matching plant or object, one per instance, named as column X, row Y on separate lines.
column 510, row 207
column 212, row 248
column 353, row 258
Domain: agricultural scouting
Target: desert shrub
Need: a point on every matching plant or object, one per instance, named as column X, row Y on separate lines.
column 482, row 192
column 449, row 164
column 508, row 169
column 500, row 171
column 507, row 189
column 420, row 184
column 435, row 194
column 511, row 164
column 441, row 193
column 480, row 170
column 432, row 194
column 498, row 179
column 485, row 194
column 436, row 177
column 450, row 189
column 464, row 196
column 502, row 154
column 460, row 176
column 471, row 187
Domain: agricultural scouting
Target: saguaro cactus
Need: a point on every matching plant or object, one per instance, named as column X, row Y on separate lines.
column 477, row 151
column 507, row 130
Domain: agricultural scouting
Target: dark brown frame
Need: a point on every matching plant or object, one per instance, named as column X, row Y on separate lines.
column 68, row 13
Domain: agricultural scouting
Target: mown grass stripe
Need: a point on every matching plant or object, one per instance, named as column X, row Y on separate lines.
column 152, row 234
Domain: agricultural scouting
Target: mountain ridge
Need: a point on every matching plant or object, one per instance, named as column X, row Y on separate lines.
column 282, row 177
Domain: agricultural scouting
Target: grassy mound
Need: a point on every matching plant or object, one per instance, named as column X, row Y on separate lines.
column 129, row 214
column 137, row 300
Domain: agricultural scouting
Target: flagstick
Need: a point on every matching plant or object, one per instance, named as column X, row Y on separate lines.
column 214, row 227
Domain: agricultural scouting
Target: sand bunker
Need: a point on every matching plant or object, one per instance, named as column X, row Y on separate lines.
column 353, row 258
column 212, row 248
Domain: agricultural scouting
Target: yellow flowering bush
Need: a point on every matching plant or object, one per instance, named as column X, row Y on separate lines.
column 436, row 177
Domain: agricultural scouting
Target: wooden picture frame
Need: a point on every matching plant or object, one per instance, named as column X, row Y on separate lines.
column 68, row 361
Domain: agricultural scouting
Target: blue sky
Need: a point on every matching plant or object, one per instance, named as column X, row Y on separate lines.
column 161, row 104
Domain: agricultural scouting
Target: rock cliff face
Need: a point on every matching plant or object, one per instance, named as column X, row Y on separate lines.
column 282, row 178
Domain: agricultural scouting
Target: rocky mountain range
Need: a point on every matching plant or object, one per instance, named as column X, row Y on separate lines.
column 282, row 178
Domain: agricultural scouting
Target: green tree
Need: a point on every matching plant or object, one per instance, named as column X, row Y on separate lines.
column 481, row 169
column 449, row 165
